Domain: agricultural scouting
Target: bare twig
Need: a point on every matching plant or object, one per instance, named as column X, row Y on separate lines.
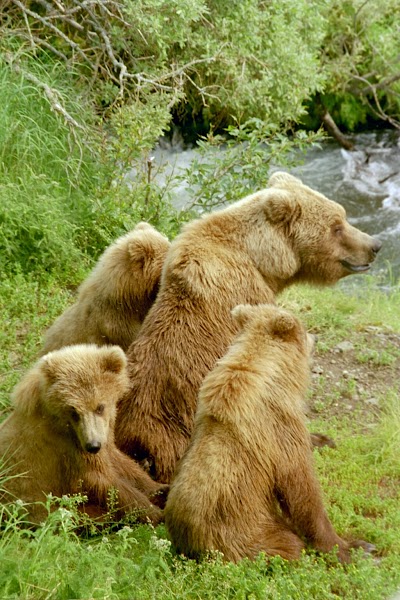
column 335, row 132
column 377, row 109
column 53, row 28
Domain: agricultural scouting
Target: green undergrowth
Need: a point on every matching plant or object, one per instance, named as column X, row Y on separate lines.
column 360, row 481
column 340, row 311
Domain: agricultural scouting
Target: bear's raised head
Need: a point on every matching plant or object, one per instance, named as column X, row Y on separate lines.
column 76, row 389
column 321, row 246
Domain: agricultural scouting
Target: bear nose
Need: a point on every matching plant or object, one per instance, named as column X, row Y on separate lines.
column 93, row 447
column 376, row 246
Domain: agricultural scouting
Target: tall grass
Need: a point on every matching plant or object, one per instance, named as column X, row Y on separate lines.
column 47, row 175
column 60, row 201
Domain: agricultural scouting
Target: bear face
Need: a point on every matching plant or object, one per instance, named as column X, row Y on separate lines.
column 77, row 390
column 325, row 246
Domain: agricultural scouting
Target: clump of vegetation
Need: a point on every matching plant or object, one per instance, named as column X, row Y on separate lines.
column 63, row 560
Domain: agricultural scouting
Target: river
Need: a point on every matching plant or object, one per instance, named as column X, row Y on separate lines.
column 365, row 181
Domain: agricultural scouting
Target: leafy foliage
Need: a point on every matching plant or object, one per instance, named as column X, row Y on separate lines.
column 359, row 58
column 228, row 169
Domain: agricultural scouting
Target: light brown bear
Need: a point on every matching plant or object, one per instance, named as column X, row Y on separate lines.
column 60, row 437
column 115, row 298
column 243, row 254
column 246, row 483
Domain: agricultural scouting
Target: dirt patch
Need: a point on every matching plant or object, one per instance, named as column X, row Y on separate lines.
column 354, row 375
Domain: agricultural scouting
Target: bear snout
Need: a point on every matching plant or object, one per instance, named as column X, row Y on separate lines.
column 93, row 447
column 376, row 246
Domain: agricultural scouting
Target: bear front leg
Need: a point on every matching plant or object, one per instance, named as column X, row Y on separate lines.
column 155, row 442
column 129, row 470
column 130, row 499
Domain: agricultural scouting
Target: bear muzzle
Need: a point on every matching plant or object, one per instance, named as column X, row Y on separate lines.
column 353, row 267
column 93, row 447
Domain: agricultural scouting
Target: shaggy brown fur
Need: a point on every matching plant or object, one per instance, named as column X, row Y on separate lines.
column 245, row 253
column 115, row 298
column 60, row 436
column 246, row 483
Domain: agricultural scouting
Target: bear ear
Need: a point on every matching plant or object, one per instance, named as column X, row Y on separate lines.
column 284, row 324
column 280, row 177
column 27, row 393
column 281, row 206
column 143, row 226
column 113, row 359
column 48, row 365
column 242, row 313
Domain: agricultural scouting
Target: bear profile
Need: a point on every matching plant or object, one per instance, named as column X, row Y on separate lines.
column 243, row 254
column 246, row 483
column 115, row 298
column 60, row 437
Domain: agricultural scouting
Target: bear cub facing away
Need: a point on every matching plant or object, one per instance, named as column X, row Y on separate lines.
column 60, row 437
column 246, row 483
column 115, row 298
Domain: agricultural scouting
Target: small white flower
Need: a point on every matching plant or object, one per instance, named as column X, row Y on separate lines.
column 65, row 513
column 160, row 544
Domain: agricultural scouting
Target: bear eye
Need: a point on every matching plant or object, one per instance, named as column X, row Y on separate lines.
column 100, row 409
column 337, row 229
column 75, row 415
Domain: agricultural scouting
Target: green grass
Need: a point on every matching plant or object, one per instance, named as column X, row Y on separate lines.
column 360, row 480
column 338, row 312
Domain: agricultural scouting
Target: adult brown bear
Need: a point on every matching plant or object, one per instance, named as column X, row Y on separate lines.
column 244, row 254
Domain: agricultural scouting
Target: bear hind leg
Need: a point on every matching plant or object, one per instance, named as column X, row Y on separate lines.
column 277, row 539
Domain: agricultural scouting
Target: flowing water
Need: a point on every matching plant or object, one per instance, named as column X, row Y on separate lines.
column 365, row 181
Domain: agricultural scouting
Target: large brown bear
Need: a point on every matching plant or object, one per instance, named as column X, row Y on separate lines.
column 243, row 254
column 115, row 298
column 60, row 437
column 246, row 483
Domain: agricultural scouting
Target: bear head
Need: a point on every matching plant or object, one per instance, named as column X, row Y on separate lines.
column 128, row 273
column 315, row 242
column 147, row 249
column 272, row 322
column 76, row 390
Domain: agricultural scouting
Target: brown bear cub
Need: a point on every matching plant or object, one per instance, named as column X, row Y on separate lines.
column 60, row 437
column 243, row 254
column 115, row 298
column 246, row 483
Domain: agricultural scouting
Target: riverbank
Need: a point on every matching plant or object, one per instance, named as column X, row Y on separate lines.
column 365, row 181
